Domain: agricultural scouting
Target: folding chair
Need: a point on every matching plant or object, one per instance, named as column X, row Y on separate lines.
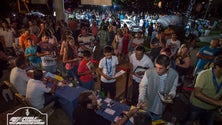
column 11, row 87
column 49, row 109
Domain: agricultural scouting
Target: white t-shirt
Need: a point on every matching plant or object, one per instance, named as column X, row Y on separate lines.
column 108, row 67
column 19, row 79
column 48, row 60
column 35, row 93
column 174, row 46
column 144, row 62
column 138, row 41
column 86, row 41
column 8, row 36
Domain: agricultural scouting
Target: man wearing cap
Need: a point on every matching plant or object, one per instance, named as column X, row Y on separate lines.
column 206, row 97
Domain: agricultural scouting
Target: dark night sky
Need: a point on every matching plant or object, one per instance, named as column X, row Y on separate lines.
column 5, row 9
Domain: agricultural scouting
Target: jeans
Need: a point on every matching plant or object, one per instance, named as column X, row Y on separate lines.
column 206, row 116
column 135, row 92
column 73, row 73
column 155, row 116
column 109, row 87
column 88, row 85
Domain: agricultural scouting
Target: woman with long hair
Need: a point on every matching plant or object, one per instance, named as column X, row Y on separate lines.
column 118, row 43
column 70, row 58
column 182, row 61
column 66, row 34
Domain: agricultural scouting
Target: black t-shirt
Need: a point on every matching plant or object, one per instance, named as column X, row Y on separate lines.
column 156, row 51
column 83, row 116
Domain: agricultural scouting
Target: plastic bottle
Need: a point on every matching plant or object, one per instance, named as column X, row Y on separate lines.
column 74, row 83
column 102, row 94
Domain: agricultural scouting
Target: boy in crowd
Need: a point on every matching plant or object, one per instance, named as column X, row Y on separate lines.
column 107, row 70
column 86, row 70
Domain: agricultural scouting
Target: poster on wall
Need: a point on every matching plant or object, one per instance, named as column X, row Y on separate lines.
column 97, row 2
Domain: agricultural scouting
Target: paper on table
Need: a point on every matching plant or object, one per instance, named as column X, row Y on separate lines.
column 107, row 100
column 109, row 111
column 70, row 84
column 57, row 77
column 121, row 72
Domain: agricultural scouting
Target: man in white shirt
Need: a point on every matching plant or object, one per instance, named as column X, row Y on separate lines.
column 18, row 76
column 139, row 63
column 7, row 34
column 173, row 44
column 36, row 90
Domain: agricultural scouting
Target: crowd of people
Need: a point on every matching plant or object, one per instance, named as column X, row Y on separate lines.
column 81, row 54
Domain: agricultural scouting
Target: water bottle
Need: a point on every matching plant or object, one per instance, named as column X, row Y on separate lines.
column 74, row 83
column 102, row 94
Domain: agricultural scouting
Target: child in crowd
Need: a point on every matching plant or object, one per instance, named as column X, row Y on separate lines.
column 71, row 59
column 30, row 53
column 86, row 70
column 107, row 70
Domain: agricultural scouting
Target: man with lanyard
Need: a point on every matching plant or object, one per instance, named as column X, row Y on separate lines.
column 139, row 63
column 206, row 97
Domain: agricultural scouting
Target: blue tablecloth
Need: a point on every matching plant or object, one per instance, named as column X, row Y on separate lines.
column 67, row 97
column 117, row 107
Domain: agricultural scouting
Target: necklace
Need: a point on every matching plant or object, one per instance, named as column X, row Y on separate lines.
column 109, row 67
column 218, row 86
